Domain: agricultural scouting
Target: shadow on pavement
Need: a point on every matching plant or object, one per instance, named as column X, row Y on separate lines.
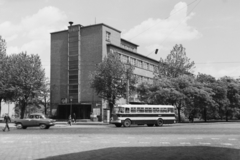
column 154, row 153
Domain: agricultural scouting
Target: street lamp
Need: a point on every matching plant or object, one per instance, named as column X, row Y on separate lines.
column 71, row 98
column 127, row 86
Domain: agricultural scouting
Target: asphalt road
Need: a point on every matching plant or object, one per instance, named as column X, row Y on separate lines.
column 220, row 141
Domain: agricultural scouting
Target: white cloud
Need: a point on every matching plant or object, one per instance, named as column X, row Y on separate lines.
column 174, row 29
column 210, row 69
column 32, row 34
column 2, row 2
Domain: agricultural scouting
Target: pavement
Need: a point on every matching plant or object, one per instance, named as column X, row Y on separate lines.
column 189, row 141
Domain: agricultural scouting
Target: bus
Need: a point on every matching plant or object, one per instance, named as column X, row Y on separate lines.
column 125, row 115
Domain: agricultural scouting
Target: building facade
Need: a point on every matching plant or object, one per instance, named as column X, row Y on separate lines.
column 75, row 52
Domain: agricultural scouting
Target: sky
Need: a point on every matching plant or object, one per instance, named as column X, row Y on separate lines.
column 208, row 29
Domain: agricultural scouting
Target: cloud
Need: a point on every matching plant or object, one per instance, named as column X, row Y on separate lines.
column 2, row 2
column 155, row 31
column 32, row 33
column 210, row 69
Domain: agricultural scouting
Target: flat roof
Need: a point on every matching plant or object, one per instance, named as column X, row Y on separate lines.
column 109, row 44
column 102, row 25
column 129, row 42
column 59, row 31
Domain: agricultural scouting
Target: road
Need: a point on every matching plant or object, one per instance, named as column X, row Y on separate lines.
column 220, row 141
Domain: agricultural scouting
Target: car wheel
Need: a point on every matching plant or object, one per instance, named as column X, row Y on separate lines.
column 159, row 122
column 42, row 126
column 19, row 126
column 127, row 123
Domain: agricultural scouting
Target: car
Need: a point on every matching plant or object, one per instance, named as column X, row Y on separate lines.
column 35, row 120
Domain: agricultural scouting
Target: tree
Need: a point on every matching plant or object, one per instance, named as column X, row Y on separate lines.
column 109, row 79
column 175, row 64
column 233, row 94
column 4, row 77
column 27, row 78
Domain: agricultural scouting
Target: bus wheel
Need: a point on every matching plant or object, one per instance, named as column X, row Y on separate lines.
column 159, row 122
column 127, row 123
column 118, row 125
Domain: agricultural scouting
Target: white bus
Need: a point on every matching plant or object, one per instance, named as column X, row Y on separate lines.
column 142, row 114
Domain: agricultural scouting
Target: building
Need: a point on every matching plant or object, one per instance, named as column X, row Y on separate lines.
column 7, row 107
column 74, row 55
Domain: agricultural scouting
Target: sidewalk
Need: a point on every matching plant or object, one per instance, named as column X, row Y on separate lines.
column 82, row 123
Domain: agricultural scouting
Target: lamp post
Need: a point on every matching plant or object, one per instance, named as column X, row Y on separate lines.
column 127, row 86
column 71, row 105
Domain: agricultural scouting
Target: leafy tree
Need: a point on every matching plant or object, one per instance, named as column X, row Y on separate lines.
column 233, row 94
column 175, row 64
column 109, row 79
column 27, row 78
column 4, row 76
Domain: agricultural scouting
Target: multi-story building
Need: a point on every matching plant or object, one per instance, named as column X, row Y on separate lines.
column 74, row 55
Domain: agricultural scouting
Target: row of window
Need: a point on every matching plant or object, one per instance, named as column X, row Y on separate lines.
column 136, row 62
column 128, row 47
column 141, row 79
column 148, row 110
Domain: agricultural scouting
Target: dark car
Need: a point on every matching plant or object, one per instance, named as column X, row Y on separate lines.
column 35, row 120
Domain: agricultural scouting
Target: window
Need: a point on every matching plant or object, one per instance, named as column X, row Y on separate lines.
column 132, row 61
column 151, row 67
column 108, row 36
column 144, row 65
column 141, row 110
column 155, row 110
column 127, row 110
column 124, row 59
column 133, row 110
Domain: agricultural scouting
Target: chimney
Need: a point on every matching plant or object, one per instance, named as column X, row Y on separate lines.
column 71, row 23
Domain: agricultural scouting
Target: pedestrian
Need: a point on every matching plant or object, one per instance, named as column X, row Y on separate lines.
column 6, row 120
column 70, row 120
column 74, row 117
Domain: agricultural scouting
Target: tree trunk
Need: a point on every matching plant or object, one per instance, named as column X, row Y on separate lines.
column 0, row 106
column 45, row 105
column 23, row 108
column 205, row 114
column 226, row 115
column 179, row 117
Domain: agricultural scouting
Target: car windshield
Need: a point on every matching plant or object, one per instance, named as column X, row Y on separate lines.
column 43, row 117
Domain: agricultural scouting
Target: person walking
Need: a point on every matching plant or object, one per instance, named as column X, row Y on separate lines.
column 70, row 120
column 74, row 117
column 6, row 120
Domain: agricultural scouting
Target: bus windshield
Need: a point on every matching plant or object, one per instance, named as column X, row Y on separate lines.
column 118, row 110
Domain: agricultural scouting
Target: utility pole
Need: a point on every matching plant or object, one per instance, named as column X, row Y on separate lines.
column 71, row 105
column 127, row 86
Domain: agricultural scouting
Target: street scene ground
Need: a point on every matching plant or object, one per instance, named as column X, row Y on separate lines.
column 215, row 141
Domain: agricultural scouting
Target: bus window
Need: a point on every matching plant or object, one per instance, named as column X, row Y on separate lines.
column 146, row 110
column 157, row 110
column 115, row 110
column 154, row 110
column 121, row 110
column 150, row 110
column 133, row 110
column 163, row 110
column 170, row 110
column 140, row 110
column 126, row 110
